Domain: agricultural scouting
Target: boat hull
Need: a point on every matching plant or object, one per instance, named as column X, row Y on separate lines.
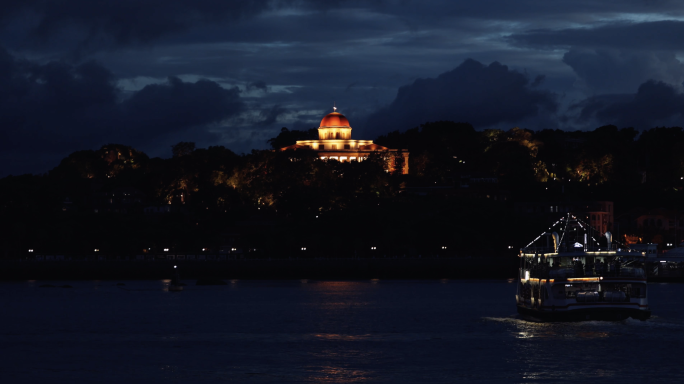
column 585, row 314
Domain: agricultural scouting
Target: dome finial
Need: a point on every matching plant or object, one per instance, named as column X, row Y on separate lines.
column 334, row 107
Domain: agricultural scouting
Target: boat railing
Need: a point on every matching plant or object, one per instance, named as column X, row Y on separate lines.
column 606, row 270
column 570, row 248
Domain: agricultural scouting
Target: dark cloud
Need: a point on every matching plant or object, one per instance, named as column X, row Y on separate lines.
column 52, row 109
column 176, row 105
column 96, row 25
column 259, row 84
column 473, row 92
column 662, row 35
column 270, row 115
column 538, row 81
column 614, row 71
column 654, row 104
column 124, row 22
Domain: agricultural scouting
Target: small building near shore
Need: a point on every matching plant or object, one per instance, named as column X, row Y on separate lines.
column 335, row 143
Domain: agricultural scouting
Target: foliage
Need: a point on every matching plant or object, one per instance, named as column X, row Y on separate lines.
column 286, row 137
column 97, row 198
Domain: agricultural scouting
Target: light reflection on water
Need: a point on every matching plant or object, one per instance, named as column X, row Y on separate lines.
column 321, row 332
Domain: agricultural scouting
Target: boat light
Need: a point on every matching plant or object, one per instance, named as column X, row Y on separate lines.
column 583, row 279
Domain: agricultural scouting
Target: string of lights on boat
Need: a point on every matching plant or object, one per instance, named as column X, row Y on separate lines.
column 582, row 224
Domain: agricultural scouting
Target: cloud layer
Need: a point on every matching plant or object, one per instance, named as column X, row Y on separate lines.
column 54, row 108
column 475, row 93
column 654, row 104
column 79, row 73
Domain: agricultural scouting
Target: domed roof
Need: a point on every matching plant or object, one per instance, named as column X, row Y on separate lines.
column 335, row 119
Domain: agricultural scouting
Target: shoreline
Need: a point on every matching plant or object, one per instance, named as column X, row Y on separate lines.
column 318, row 269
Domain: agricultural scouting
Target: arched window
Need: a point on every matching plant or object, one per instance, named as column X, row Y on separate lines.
column 337, row 135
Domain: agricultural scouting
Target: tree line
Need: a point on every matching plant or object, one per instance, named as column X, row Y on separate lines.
column 329, row 206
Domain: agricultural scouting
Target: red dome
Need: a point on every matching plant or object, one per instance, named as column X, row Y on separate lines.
column 335, row 119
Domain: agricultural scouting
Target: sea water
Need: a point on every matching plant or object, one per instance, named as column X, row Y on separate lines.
column 374, row 331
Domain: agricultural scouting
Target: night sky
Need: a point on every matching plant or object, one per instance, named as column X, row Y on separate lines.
column 77, row 74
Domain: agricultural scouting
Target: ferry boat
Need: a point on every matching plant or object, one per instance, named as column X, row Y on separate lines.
column 566, row 274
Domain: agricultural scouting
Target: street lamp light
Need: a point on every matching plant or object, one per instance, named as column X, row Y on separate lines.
column 166, row 249
column 30, row 250
column 97, row 250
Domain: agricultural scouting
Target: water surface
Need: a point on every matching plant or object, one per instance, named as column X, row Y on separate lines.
column 371, row 331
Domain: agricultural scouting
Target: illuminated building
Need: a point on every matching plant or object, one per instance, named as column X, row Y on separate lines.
column 335, row 143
